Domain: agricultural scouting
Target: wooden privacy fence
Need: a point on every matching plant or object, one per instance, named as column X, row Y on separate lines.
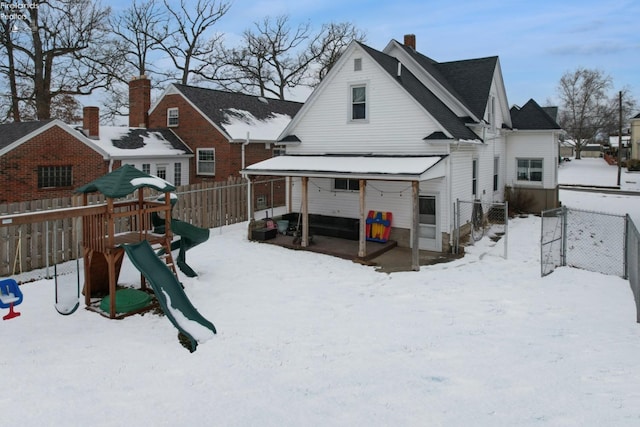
column 37, row 246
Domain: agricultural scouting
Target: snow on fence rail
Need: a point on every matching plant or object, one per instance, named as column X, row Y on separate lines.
column 28, row 250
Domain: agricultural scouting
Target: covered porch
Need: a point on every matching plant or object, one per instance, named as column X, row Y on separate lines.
column 385, row 257
column 362, row 168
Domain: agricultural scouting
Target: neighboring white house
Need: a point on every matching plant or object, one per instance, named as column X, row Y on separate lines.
column 533, row 149
column 399, row 132
column 157, row 152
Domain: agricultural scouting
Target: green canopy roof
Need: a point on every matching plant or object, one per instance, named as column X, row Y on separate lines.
column 124, row 181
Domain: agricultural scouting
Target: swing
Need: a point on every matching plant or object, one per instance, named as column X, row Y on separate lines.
column 65, row 308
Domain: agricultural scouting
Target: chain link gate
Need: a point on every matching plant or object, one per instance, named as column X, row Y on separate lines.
column 593, row 241
column 476, row 219
column 552, row 244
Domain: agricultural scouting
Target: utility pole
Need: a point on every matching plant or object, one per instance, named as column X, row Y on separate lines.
column 619, row 137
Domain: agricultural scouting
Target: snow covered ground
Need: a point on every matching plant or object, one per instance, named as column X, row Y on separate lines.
column 307, row 339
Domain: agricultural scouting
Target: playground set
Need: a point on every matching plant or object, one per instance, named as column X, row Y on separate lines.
column 143, row 230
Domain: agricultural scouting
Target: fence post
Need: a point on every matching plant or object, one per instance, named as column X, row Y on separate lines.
column 625, row 264
column 456, row 220
column 506, row 228
column 563, row 245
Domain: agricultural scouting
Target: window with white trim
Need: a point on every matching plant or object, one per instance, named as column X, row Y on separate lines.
column 146, row 168
column 177, row 174
column 173, row 116
column 359, row 102
column 161, row 171
column 529, row 170
column 206, row 161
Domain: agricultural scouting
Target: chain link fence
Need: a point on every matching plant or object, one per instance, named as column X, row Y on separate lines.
column 477, row 219
column 592, row 241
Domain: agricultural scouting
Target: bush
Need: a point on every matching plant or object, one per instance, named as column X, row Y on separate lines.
column 519, row 200
column 633, row 165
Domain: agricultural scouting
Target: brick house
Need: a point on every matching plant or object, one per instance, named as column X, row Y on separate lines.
column 157, row 152
column 225, row 130
column 191, row 135
column 46, row 159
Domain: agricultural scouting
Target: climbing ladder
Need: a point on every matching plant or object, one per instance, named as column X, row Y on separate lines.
column 163, row 250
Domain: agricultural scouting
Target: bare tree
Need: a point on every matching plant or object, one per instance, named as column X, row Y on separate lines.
column 139, row 30
column 190, row 45
column 585, row 108
column 57, row 48
column 274, row 57
column 334, row 39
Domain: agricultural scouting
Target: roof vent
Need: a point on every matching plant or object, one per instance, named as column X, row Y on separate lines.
column 399, row 69
column 263, row 100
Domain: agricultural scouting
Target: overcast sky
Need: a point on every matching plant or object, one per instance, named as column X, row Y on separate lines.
column 537, row 40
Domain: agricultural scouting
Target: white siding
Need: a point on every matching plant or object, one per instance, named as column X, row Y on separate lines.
column 533, row 145
column 395, row 124
column 385, row 196
column 169, row 165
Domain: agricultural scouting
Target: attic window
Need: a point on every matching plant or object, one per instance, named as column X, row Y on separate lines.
column 357, row 64
column 358, row 102
column 172, row 117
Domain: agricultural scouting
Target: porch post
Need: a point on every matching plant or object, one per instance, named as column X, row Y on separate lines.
column 305, row 212
column 362, row 244
column 250, row 212
column 415, row 237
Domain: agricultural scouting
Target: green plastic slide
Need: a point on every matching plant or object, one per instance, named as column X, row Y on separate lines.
column 170, row 295
column 190, row 236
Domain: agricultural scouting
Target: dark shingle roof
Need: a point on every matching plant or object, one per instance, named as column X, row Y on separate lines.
column 134, row 139
column 532, row 117
column 430, row 102
column 12, row 132
column 468, row 80
column 215, row 104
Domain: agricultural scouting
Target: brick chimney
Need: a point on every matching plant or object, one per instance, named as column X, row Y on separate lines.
column 410, row 41
column 91, row 122
column 139, row 101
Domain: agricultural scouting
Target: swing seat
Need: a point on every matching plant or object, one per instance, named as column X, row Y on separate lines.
column 10, row 296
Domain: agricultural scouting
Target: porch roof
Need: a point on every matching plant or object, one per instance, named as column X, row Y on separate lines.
column 388, row 168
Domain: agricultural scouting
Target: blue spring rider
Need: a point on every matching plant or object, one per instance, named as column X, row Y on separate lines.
column 10, row 296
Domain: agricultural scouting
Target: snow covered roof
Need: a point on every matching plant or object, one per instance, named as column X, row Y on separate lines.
column 121, row 142
column 238, row 123
column 236, row 113
column 393, row 168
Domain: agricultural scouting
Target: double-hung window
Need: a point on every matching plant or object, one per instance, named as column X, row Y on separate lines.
column 530, row 170
column 206, row 161
column 359, row 102
column 173, row 115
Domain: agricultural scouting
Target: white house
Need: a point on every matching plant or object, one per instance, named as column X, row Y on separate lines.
column 396, row 131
